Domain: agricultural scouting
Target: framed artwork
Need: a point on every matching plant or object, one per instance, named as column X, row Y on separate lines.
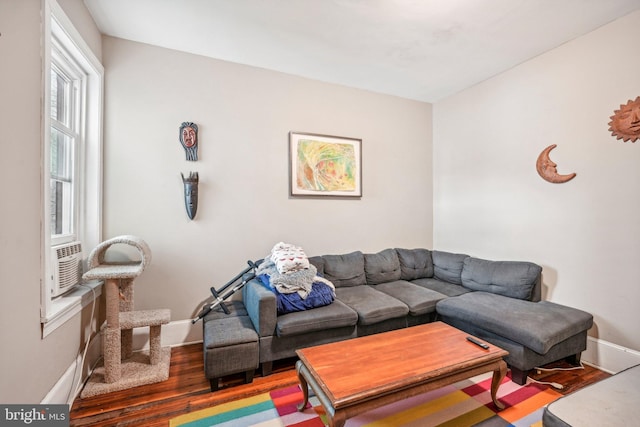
column 324, row 165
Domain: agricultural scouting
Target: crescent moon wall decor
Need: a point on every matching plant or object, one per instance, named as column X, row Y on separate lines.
column 625, row 122
column 548, row 170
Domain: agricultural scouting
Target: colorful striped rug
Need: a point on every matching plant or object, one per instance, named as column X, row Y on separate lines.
column 467, row 403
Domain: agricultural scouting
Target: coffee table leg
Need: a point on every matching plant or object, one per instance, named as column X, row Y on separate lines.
column 498, row 375
column 337, row 420
column 303, row 385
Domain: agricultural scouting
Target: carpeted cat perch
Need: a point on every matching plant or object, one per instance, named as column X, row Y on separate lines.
column 121, row 368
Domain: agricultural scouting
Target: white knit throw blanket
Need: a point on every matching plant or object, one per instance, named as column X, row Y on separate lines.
column 289, row 258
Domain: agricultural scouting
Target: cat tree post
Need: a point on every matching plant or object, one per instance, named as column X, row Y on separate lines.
column 126, row 304
column 111, row 334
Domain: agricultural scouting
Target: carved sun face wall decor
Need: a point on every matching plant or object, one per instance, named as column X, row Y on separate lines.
column 625, row 122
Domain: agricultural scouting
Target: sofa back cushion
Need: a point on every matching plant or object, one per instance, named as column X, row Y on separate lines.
column 318, row 263
column 415, row 263
column 447, row 266
column 515, row 279
column 345, row 270
column 382, row 267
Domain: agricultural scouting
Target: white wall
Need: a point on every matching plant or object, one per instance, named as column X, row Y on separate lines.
column 244, row 115
column 490, row 202
column 29, row 364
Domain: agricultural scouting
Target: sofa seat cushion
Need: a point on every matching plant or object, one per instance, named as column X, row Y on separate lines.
column 419, row 300
column 445, row 288
column 334, row 315
column 513, row 279
column 372, row 306
column 536, row 325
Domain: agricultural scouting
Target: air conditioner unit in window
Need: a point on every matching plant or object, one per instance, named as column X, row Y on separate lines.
column 67, row 267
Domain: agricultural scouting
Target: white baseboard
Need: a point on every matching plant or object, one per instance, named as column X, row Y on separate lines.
column 609, row 357
column 177, row 333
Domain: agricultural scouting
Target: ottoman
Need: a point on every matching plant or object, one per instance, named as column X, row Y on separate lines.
column 230, row 344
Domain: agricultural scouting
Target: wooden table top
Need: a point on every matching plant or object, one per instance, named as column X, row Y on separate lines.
column 362, row 368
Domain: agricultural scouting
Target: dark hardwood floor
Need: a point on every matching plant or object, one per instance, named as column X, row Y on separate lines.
column 185, row 391
column 188, row 390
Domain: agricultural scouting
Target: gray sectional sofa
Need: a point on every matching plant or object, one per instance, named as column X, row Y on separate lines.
column 498, row 301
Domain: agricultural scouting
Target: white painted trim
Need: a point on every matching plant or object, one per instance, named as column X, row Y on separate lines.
column 66, row 306
column 609, row 357
column 54, row 312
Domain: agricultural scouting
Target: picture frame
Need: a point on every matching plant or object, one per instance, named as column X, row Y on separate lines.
column 324, row 166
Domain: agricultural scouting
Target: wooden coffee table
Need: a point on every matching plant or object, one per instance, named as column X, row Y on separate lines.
column 354, row 376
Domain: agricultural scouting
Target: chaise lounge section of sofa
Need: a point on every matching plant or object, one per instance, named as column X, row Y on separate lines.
column 504, row 309
column 498, row 301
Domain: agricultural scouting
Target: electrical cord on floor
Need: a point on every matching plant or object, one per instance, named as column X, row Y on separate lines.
column 573, row 368
column 84, row 353
column 555, row 385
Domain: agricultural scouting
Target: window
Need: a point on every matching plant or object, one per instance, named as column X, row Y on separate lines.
column 65, row 146
column 72, row 157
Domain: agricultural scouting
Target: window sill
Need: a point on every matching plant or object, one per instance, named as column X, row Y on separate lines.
column 68, row 305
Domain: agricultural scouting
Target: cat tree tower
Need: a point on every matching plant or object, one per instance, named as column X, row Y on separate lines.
column 122, row 368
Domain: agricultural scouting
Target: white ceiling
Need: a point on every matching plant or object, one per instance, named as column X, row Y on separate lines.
column 417, row 49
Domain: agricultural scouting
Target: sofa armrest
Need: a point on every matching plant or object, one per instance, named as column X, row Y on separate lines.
column 536, row 295
column 260, row 303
